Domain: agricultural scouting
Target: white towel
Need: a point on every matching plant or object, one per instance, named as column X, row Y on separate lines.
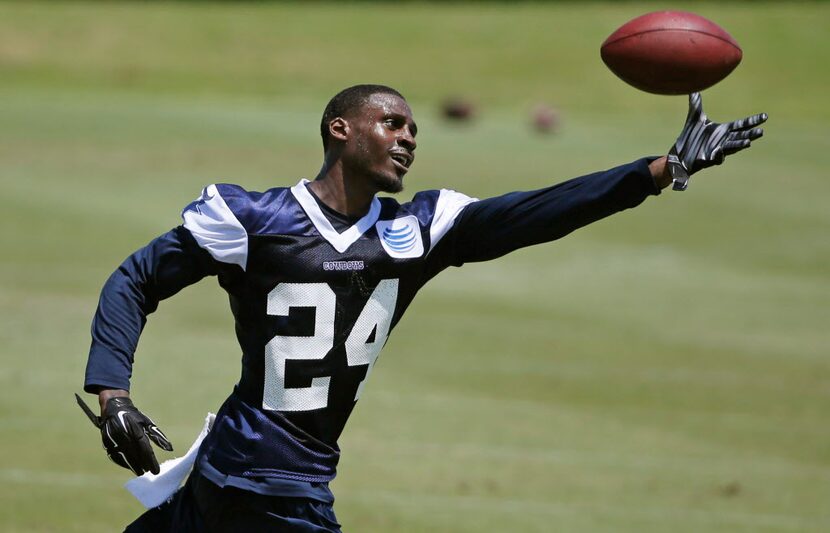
column 153, row 490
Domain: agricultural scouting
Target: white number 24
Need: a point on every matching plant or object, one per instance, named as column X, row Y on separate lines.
column 376, row 316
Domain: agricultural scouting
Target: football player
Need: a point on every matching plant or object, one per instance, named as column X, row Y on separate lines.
column 318, row 275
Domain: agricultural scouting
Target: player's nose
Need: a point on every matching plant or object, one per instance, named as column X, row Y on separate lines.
column 407, row 139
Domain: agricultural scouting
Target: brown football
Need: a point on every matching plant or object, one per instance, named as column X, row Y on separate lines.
column 671, row 52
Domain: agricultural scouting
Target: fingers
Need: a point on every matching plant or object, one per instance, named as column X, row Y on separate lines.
column 158, row 437
column 118, row 445
column 748, row 122
column 738, row 140
column 695, row 107
column 127, row 441
column 138, row 449
column 121, row 460
column 144, row 454
column 695, row 101
column 718, row 155
column 731, row 147
column 751, row 135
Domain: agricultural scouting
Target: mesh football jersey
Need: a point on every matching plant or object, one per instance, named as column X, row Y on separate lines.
column 313, row 306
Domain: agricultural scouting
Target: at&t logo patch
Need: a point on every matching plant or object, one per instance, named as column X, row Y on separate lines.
column 401, row 237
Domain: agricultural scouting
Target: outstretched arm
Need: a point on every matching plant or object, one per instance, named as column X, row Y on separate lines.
column 493, row 227
column 490, row 228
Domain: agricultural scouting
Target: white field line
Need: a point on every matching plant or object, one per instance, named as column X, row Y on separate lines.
column 479, row 504
column 524, row 408
column 649, row 376
column 25, row 476
column 759, row 467
column 655, row 514
column 508, row 407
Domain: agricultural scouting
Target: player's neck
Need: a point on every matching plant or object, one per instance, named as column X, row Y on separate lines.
column 341, row 194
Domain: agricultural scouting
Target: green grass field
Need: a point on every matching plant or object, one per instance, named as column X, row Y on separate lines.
column 664, row 370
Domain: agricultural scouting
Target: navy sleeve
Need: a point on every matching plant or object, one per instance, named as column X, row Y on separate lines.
column 157, row 271
column 490, row 228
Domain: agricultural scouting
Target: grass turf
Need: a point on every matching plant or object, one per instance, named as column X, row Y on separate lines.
column 664, row 369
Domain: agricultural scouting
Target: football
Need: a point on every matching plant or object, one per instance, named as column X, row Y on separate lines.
column 671, row 52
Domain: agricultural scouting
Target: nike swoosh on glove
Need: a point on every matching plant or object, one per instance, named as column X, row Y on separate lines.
column 704, row 143
column 126, row 433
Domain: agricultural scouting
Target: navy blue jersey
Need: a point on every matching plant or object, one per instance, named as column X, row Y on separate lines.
column 313, row 306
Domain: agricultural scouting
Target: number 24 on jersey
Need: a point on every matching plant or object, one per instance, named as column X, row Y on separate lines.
column 376, row 316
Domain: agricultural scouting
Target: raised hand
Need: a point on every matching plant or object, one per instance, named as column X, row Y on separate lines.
column 704, row 143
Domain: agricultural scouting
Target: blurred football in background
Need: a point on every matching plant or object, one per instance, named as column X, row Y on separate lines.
column 544, row 119
column 457, row 109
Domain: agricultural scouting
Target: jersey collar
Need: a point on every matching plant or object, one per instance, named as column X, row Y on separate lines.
column 340, row 241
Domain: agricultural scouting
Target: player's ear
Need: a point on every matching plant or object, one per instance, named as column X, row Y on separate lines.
column 339, row 128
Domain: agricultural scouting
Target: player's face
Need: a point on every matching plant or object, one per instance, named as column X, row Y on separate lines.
column 383, row 143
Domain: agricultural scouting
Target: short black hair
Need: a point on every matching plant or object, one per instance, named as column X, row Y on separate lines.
column 347, row 100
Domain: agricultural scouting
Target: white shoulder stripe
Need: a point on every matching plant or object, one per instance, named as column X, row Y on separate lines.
column 216, row 228
column 449, row 204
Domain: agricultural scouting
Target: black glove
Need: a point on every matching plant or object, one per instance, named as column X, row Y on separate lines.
column 704, row 143
column 126, row 433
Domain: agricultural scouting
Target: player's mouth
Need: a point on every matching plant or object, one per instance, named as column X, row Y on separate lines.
column 402, row 160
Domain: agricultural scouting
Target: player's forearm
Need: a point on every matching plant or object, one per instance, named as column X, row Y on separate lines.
column 116, row 327
column 496, row 226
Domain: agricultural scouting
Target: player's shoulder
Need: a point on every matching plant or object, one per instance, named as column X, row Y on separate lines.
column 428, row 206
column 251, row 204
column 253, row 210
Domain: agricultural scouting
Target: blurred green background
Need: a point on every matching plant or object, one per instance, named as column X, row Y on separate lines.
column 665, row 369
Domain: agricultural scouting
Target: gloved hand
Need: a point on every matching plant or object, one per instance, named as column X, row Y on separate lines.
column 704, row 143
column 126, row 433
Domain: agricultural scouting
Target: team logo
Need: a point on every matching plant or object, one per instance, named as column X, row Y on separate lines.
column 401, row 237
